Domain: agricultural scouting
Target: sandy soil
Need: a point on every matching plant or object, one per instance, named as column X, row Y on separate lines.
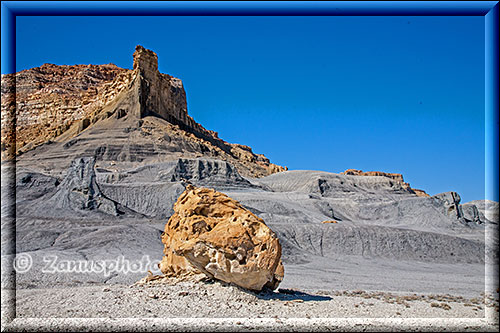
column 217, row 303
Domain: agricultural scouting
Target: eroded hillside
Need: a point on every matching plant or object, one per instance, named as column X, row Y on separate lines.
column 58, row 113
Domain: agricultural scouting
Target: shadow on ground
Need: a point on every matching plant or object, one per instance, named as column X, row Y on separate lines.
column 281, row 294
column 291, row 295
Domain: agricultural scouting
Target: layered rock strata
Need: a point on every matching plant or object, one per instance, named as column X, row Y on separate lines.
column 75, row 108
column 395, row 176
column 163, row 95
column 212, row 233
column 41, row 103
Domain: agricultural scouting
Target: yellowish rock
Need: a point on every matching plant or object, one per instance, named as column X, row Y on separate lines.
column 212, row 233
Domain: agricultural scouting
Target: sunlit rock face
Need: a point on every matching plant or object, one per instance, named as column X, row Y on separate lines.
column 53, row 114
column 214, row 234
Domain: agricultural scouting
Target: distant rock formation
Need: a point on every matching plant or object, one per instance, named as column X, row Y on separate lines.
column 449, row 202
column 112, row 114
column 396, row 176
column 487, row 209
column 205, row 171
column 214, row 234
column 41, row 103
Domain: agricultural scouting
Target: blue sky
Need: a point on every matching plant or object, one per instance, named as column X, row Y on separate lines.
column 394, row 94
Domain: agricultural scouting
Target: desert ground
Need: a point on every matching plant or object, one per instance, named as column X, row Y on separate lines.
column 402, row 268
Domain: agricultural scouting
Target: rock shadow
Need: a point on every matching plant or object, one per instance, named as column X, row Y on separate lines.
column 281, row 294
column 290, row 295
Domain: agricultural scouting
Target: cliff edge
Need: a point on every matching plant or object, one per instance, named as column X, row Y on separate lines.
column 58, row 113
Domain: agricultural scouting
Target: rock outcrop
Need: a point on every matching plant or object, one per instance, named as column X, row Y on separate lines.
column 487, row 209
column 395, row 176
column 449, row 203
column 77, row 195
column 212, row 233
column 111, row 114
column 206, row 172
column 79, row 190
column 41, row 103
column 163, row 95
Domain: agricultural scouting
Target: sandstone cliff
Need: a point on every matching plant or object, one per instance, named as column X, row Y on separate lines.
column 41, row 103
column 395, row 176
column 112, row 114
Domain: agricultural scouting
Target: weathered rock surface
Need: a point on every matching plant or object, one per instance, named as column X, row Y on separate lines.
column 80, row 191
column 152, row 190
column 395, row 176
column 380, row 226
column 78, row 194
column 449, row 203
column 161, row 94
column 487, row 209
column 206, row 172
column 134, row 116
column 295, row 197
column 41, row 103
column 214, row 234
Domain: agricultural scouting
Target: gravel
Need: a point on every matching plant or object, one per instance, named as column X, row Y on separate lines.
column 160, row 304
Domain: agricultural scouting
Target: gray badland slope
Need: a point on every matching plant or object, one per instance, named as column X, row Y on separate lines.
column 105, row 190
column 95, row 212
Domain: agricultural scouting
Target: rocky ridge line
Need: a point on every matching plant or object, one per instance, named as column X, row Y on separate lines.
column 396, row 176
column 61, row 103
column 41, row 103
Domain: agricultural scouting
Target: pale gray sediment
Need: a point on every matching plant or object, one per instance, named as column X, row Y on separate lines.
column 219, row 306
column 386, row 242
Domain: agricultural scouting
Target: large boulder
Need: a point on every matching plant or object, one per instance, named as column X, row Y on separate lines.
column 212, row 233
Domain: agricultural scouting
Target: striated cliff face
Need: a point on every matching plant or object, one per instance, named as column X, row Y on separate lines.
column 41, row 103
column 395, row 176
column 354, row 172
column 161, row 94
column 58, row 113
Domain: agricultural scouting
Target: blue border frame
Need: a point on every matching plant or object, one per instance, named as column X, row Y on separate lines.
column 488, row 9
column 491, row 103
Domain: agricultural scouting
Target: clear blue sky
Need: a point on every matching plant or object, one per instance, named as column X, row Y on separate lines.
column 394, row 94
